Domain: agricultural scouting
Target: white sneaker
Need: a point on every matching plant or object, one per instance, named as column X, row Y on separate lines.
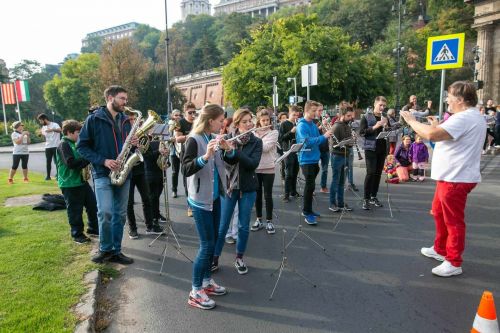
column 431, row 253
column 484, row 152
column 257, row 225
column 199, row 299
column 446, row 269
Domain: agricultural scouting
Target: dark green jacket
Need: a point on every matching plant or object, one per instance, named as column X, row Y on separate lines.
column 69, row 164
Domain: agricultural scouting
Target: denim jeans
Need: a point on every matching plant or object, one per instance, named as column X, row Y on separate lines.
column 338, row 179
column 207, row 225
column 350, row 165
column 111, row 213
column 245, row 201
column 325, row 159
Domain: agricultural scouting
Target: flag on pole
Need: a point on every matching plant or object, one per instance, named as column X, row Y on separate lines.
column 23, row 93
column 8, row 93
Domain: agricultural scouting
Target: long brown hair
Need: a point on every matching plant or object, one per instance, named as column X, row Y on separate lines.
column 263, row 113
column 239, row 114
column 209, row 111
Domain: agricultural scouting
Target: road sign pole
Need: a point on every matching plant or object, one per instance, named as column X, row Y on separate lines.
column 308, row 81
column 441, row 102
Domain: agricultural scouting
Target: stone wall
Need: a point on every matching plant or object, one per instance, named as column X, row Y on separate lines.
column 201, row 87
column 487, row 24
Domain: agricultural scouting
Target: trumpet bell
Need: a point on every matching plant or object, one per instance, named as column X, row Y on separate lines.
column 152, row 119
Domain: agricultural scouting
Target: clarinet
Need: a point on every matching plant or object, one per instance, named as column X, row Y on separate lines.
column 355, row 136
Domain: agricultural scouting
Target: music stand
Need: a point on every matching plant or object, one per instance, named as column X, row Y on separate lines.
column 343, row 144
column 385, row 135
column 284, row 260
column 161, row 131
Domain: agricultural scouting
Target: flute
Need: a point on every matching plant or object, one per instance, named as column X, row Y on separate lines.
column 255, row 129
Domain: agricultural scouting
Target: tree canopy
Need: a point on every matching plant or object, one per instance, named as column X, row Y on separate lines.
column 282, row 46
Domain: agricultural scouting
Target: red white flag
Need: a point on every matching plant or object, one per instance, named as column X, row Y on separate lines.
column 8, row 93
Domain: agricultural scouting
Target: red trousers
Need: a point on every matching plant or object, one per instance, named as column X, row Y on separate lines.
column 448, row 208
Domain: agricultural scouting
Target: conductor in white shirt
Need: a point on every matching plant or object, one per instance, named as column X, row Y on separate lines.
column 455, row 167
column 52, row 133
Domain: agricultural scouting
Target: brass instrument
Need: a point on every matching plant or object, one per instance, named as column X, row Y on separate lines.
column 328, row 128
column 163, row 161
column 125, row 160
column 86, row 172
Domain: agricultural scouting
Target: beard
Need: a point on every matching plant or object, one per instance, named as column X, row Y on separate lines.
column 117, row 107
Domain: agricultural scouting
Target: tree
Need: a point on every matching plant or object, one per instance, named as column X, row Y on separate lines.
column 25, row 69
column 71, row 93
column 94, row 45
column 4, row 72
column 231, row 31
column 153, row 93
column 281, row 47
column 147, row 39
column 123, row 64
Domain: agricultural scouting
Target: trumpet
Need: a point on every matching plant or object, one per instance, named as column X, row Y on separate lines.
column 255, row 129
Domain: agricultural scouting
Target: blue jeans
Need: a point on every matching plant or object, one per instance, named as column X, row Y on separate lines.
column 245, row 204
column 207, row 225
column 350, row 162
column 338, row 178
column 325, row 159
column 111, row 213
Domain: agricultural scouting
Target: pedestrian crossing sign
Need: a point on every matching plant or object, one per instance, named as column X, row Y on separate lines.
column 446, row 51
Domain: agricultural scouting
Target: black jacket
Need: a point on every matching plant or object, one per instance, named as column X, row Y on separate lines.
column 286, row 138
column 248, row 157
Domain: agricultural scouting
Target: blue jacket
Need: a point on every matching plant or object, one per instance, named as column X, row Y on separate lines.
column 99, row 141
column 308, row 133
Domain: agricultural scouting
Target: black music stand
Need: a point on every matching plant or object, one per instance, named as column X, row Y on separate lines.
column 161, row 131
column 284, row 260
column 385, row 135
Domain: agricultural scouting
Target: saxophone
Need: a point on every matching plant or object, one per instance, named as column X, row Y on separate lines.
column 125, row 160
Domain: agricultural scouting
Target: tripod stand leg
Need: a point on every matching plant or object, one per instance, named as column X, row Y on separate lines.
column 280, row 269
column 312, row 240
column 300, row 275
column 164, row 253
column 178, row 247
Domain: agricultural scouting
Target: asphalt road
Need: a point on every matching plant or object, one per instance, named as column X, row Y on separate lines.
column 371, row 278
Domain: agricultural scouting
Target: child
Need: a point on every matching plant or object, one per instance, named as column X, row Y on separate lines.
column 21, row 140
column 419, row 155
column 390, row 168
column 76, row 191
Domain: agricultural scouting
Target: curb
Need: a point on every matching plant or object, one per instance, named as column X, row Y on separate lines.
column 86, row 309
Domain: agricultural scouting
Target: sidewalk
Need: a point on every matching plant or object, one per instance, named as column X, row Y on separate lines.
column 34, row 148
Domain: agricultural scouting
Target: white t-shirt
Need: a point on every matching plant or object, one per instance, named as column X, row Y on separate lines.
column 457, row 160
column 52, row 139
column 22, row 148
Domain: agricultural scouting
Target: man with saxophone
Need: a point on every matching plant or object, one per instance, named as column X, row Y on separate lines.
column 101, row 141
column 339, row 158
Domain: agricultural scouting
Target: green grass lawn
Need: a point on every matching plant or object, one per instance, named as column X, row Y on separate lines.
column 41, row 269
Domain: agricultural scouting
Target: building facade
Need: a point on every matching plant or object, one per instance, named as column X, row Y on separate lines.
column 118, row 32
column 195, row 7
column 255, row 7
column 201, row 87
column 487, row 24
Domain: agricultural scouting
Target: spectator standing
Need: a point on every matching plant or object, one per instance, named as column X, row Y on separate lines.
column 20, row 153
column 52, row 133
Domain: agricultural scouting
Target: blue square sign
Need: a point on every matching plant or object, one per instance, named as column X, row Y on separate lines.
column 445, row 51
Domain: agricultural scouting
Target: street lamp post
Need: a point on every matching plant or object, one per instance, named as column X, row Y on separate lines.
column 289, row 79
column 167, row 41
column 398, row 50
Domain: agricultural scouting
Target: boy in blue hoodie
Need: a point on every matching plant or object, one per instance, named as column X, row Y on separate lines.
column 308, row 134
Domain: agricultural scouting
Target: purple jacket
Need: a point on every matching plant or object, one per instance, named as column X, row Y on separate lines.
column 419, row 152
column 402, row 155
